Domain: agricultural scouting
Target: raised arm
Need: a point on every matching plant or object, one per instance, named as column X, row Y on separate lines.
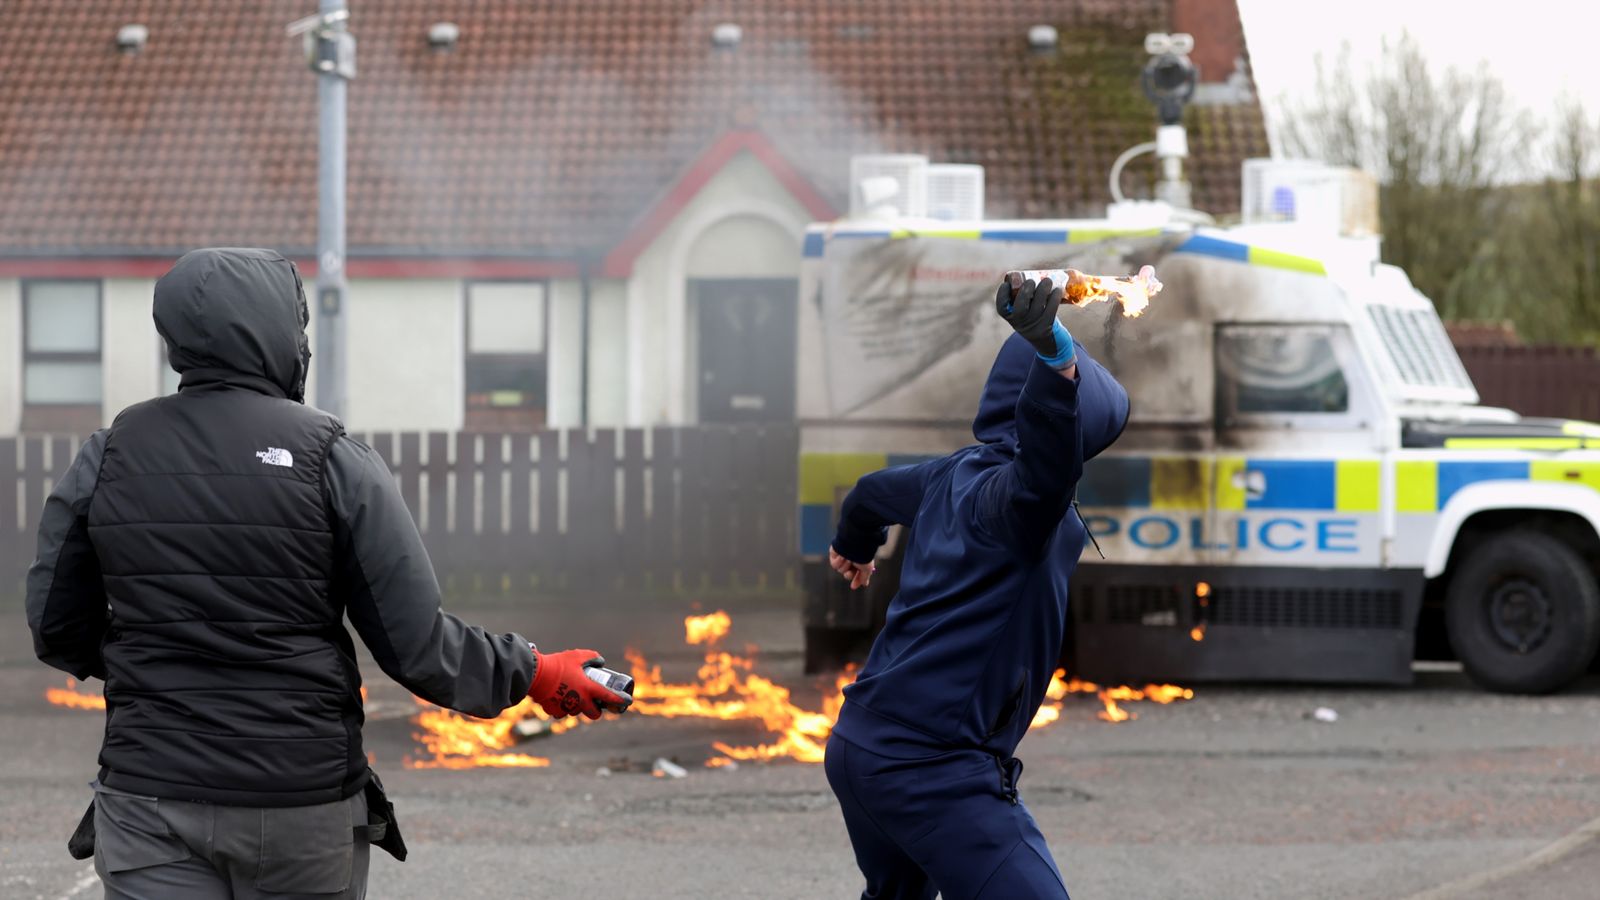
column 1067, row 402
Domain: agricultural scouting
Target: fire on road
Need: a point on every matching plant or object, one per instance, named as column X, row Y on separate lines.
column 726, row 687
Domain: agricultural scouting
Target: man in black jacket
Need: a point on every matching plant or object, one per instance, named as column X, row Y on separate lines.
column 199, row 556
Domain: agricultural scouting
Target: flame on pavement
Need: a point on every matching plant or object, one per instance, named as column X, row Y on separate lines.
column 727, row 688
column 1110, row 698
column 456, row 741
column 72, row 698
column 707, row 629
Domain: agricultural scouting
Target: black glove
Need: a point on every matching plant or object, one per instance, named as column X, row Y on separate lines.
column 1030, row 309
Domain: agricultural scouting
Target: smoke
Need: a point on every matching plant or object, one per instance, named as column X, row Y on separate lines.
column 546, row 129
column 531, row 138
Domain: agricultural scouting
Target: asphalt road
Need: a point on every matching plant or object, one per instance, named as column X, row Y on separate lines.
column 1238, row 793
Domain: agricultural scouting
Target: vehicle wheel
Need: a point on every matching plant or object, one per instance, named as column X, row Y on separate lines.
column 1523, row 613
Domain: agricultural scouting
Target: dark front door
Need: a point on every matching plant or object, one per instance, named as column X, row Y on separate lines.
column 746, row 343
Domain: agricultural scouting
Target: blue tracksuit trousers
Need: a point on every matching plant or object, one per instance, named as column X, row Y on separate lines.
column 951, row 824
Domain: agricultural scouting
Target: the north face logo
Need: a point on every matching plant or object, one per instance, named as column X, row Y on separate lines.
column 275, row 456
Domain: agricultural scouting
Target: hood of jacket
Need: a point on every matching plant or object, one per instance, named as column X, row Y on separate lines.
column 236, row 316
column 996, row 422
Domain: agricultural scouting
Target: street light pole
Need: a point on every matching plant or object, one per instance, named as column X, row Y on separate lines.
column 331, row 51
column 331, row 86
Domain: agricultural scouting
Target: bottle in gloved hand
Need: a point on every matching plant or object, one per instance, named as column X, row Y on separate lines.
column 1029, row 307
column 1132, row 291
column 562, row 685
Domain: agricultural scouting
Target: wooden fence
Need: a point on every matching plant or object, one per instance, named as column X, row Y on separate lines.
column 1562, row 382
column 603, row 510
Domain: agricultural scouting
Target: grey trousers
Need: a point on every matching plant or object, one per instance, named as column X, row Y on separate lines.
column 150, row 849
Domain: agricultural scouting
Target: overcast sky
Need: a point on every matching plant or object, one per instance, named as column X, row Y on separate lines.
column 1537, row 47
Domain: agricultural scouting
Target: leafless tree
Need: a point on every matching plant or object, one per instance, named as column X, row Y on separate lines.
column 1440, row 143
column 1561, row 232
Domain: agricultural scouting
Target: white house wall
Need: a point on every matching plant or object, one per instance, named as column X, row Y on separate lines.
column 405, row 345
column 744, row 246
column 564, row 354
column 10, row 355
column 658, row 339
column 608, row 352
column 406, row 342
column 130, row 351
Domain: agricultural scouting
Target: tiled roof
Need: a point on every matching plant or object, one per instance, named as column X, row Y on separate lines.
column 551, row 126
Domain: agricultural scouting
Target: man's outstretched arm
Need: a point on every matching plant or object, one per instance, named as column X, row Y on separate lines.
column 66, row 602
column 392, row 598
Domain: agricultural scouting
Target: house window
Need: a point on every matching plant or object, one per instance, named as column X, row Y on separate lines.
column 61, row 384
column 505, row 358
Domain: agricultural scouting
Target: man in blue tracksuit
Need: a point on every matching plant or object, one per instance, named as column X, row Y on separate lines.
column 921, row 757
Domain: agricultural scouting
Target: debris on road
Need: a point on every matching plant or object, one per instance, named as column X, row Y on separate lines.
column 1325, row 714
column 531, row 728
column 669, row 769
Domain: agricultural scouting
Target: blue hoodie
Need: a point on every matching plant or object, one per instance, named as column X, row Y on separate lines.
column 971, row 639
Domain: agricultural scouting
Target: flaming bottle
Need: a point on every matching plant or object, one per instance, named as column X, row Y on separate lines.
column 1132, row 291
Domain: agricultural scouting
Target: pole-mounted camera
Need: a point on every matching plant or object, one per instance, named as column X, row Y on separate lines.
column 1169, row 77
column 1169, row 80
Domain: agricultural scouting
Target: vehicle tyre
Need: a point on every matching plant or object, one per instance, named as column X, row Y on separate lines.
column 1523, row 613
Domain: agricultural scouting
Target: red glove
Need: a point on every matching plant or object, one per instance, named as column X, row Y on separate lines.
column 562, row 689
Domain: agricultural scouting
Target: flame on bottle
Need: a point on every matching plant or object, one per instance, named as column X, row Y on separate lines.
column 1133, row 292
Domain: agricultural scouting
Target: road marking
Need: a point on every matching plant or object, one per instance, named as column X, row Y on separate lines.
column 1556, row 852
column 89, row 880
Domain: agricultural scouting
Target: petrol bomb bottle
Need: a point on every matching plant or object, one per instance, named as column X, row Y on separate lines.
column 1132, row 291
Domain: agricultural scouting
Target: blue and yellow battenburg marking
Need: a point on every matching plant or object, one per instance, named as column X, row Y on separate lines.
column 1186, row 482
column 1199, row 245
column 1343, row 485
column 824, row 479
column 1422, row 486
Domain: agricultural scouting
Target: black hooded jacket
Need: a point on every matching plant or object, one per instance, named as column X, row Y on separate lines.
column 201, row 554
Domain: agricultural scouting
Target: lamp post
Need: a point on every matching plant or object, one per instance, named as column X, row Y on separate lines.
column 331, row 53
